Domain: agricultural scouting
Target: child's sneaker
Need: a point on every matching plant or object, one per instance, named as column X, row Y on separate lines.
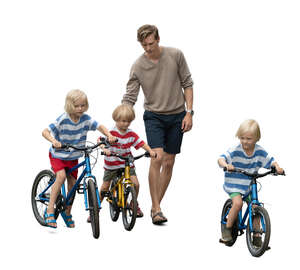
column 226, row 235
column 139, row 212
column 257, row 241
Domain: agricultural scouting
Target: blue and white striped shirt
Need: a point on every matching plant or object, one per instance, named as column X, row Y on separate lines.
column 65, row 131
column 237, row 182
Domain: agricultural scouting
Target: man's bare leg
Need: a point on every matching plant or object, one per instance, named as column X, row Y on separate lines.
column 166, row 174
column 160, row 173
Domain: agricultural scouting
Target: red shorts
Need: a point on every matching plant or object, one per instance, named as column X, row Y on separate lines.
column 59, row 164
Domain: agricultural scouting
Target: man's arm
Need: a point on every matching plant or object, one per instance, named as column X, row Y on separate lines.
column 187, row 122
column 188, row 96
column 132, row 90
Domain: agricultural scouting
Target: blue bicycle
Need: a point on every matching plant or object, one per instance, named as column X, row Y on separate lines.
column 257, row 232
column 86, row 184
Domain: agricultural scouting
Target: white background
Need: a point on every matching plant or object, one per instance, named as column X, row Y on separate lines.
column 244, row 58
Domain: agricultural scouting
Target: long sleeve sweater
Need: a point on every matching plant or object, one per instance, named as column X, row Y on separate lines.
column 162, row 83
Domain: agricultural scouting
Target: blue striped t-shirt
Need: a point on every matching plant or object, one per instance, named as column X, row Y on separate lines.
column 65, row 131
column 237, row 182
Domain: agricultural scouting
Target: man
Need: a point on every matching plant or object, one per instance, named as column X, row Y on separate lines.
column 166, row 81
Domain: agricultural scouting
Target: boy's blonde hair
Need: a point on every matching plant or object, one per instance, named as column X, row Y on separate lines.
column 72, row 97
column 251, row 126
column 123, row 112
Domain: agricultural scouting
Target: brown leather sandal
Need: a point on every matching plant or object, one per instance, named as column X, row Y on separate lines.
column 159, row 221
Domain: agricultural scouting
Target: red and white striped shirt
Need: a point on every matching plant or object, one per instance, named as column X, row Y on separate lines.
column 122, row 147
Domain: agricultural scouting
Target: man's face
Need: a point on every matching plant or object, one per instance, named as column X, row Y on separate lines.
column 150, row 45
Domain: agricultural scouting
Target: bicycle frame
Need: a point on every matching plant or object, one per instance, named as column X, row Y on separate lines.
column 258, row 227
column 242, row 219
column 86, row 174
column 123, row 180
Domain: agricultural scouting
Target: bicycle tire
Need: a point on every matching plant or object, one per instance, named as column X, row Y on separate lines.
column 130, row 209
column 262, row 213
column 93, row 208
column 114, row 209
column 235, row 228
column 39, row 206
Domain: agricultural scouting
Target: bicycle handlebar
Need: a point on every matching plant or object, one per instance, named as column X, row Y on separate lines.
column 87, row 148
column 146, row 154
column 256, row 174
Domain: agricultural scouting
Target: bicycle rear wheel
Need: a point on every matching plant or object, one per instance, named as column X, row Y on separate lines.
column 93, row 208
column 235, row 228
column 130, row 209
column 114, row 209
column 40, row 200
column 258, row 239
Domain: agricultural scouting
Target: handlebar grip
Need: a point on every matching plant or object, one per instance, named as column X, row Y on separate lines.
column 273, row 169
column 105, row 141
column 231, row 171
column 63, row 146
column 147, row 154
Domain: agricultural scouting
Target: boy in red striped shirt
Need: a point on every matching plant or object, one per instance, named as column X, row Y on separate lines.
column 123, row 115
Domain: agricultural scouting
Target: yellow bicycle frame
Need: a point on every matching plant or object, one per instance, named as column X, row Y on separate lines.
column 123, row 181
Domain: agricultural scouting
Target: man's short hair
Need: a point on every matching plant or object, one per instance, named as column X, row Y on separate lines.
column 145, row 31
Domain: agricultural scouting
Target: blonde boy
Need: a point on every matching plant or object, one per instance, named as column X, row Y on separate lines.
column 247, row 156
column 70, row 127
column 123, row 115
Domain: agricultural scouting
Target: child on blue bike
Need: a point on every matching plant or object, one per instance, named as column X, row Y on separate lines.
column 69, row 128
column 247, row 156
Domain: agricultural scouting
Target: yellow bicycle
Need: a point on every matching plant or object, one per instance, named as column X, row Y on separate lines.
column 122, row 195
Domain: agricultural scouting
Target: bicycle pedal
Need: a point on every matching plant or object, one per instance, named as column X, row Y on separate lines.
column 105, row 194
column 109, row 200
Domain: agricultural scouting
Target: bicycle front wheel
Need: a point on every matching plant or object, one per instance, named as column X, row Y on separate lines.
column 40, row 194
column 93, row 208
column 258, row 239
column 130, row 208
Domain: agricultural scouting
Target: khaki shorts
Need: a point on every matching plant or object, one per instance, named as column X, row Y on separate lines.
column 111, row 174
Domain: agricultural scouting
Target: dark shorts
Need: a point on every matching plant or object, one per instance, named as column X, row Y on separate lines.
column 59, row 164
column 164, row 131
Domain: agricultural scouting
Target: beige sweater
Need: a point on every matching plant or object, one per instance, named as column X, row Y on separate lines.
column 162, row 83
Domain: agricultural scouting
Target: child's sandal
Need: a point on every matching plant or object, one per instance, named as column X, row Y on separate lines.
column 48, row 221
column 68, row 220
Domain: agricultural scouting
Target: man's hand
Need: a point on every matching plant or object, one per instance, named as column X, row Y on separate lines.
column 187, row 123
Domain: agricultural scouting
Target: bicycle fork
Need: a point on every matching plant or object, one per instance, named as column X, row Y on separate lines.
column 86, row 193
column 255, row 203
column 124, row 183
